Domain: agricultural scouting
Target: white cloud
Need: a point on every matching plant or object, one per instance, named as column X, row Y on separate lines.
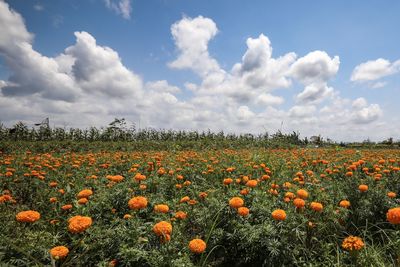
column 191, row 38
column 301, row 111
column 374, row 70
column 315, row 67
column 269, row 100
column 367, row 114
column 359, row 103
column 38, row 7
column 121, row 7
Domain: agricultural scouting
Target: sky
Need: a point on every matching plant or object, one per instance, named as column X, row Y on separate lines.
column 329, row 68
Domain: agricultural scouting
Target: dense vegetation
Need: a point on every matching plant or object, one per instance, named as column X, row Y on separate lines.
column 297, row 206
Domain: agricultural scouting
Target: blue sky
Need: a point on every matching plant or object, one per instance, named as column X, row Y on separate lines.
column 317, row 94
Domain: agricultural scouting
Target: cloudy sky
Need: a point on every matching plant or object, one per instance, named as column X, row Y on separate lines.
column 317, row 67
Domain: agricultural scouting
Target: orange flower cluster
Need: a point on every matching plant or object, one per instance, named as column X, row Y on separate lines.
column 344, row 204
column 243, row 211
column 236, row 202
column 28, row 216
column 79, row 224
column 352, row 243
column 197, row 246
column 137, row 203
column 115, row 178
column 59, row 252
column 393, row 215
column 316, row 206
column 161, row 208
column 85, row 193
column 163, row 230
column 301, row 193
column 181, row 215
column 279, row 215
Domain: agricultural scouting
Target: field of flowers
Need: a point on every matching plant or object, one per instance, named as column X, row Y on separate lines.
column 215, row 207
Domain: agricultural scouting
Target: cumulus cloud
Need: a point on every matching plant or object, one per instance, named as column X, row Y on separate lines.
column 191, row 38
column 266, row 99
column 99, row 69
column 121, row 7
column 374, row 69
column 301, row 111
column 314, row 70
column 367, row 114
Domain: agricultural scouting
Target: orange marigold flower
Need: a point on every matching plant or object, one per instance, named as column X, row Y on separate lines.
column 391, row 194
column 243, row 211
column 79, row 224
column 137, row 203
column 115, row 178
column 299, row 203
column 28, row 216
column 197, row 246
column 140, row 177
column 53, row 199
column 66, row 207
column 192, row 202
column 181, row 215
column 236, row 202
column 53, row 184
column 344, row 204
column 127, row 216
column 393, row 215
column 162, row 228
column 59, row 252
column 316, row 206
column 289, row 195
column 352, row 243
column 203, row 195
column 252, row 183
column 363, row 187
column 85, row 193
column 228, row 181
column 244, row 191
column 184, row 199
column 349, row 174
column 301, row 193
column 279, row 215
column 83, row 201
column 162, row 208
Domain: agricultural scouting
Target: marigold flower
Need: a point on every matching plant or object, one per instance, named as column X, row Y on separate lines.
column 79, row 224
column 393, row 215
column 316, row 206
column 236, row 202
column 197, row 246
column 66, row 207
column 59, row 252
column 203, row 195
column 227, row 181
column 85, row 193
column 243, row 211
column 391, row 194
column 28, row 216
column 53, row 200
column 162, row 228
column 115, row 178
column 127, row 216
column 279, row 215
column 140, row 177
column 181, row 215
column 252, row 183
column 299, row 203
column 363, row 187
column 301, row 193
column 184, row 199
column 162, row 208
column 83, row 201
column 352, row 243
column 344, row 204
column 137, row 203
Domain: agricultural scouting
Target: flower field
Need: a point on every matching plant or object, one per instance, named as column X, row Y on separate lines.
column 214, row 207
